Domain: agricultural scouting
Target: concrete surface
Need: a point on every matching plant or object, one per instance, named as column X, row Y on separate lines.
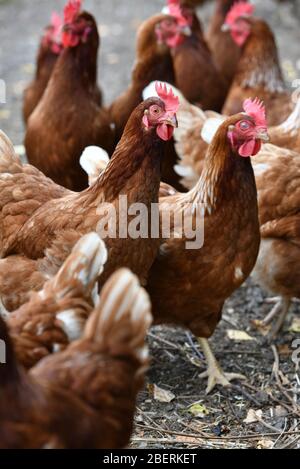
column 22, row 21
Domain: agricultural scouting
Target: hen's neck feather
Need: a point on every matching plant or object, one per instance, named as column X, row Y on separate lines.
column 259, row 65
column 222, row 7
column 225, row 175
column 134, row 169
column 152, row 66
column 45, row 61
column 75, row 68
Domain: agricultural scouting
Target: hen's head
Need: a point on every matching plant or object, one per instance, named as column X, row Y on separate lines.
column 177, row 24
column 237, row 21
column 52, row 36
column 160, row 112
column 250, row 130
column 78, row 25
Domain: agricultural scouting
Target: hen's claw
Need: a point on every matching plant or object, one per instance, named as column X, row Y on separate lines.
column 216, row 376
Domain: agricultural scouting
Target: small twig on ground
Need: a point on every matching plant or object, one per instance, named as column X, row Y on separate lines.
column 245, row 394
column 281, row 434
column 276, row 370
column 290, row 443
column 161, row 440
column 202, row 436
column 152, row 422
column 164, row 341
column 196, row 350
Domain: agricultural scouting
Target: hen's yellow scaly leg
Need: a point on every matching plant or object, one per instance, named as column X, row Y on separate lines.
column 214, row 372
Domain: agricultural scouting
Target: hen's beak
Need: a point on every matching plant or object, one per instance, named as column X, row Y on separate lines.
column 263, row 136
column 171, row 120
column 225, row 28
column 186, row 31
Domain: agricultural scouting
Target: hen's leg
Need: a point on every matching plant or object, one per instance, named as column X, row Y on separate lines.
column 280, row 309
column 214, row 372
column 273, row 313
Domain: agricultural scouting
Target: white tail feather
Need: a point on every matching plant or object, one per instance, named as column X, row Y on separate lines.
column 84, row 265
column 123, row 315
column 93, row 161
column 210, row 128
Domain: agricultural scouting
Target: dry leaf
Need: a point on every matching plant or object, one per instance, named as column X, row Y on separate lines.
column 265, row 444
column 187, row 439
column 262, row 328
column 284, row 349
column 253, row 416
column 295, row 326
column 238, row 336
column 198, row 410
column 284, row 380
column 161, row 395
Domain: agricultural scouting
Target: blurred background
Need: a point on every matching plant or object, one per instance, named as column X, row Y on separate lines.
column 22, row 22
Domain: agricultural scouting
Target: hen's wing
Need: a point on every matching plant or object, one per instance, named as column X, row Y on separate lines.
column 23, row 189
column 277, row 175
column 18, row 277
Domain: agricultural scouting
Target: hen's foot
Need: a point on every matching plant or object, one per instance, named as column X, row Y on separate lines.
column 214, row 372
column 216, row 376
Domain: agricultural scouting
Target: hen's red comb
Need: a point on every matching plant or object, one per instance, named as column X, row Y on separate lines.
column 173, row 2
column 175, row 10
column 56, row 22
column 256, row 109
column 167, row 96
column 72, row 10
column 239, row 9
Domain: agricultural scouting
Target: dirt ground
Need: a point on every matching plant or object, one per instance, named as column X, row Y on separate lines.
column 183, row 416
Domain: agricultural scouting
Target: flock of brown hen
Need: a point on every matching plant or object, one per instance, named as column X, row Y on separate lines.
column 75, row 308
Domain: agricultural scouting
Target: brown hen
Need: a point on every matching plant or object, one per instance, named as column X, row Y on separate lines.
column 83, row 397
column 133, row 172
column 152, row 62
column 277, row 174
column 189, row 286
column 61, row 126
column 225, row 51
column 258, row 73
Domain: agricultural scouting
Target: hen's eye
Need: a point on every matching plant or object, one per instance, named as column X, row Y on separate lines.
column 244, row 125
column 155, row 110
